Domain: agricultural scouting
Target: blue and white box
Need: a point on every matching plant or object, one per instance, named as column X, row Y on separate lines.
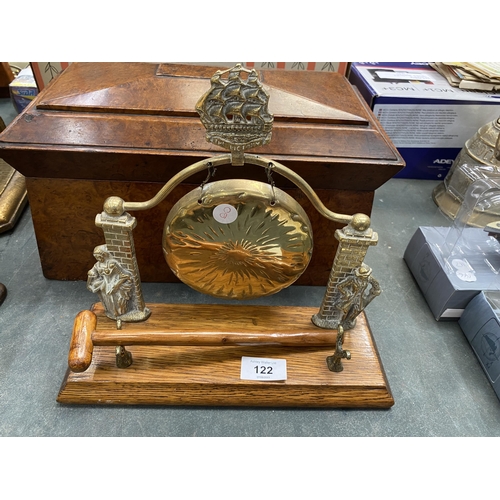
column 426, row 118
column 23, row 89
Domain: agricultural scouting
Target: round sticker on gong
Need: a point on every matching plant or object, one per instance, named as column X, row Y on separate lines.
column 225, row 214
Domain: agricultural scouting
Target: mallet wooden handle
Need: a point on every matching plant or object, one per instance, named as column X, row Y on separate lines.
column 81, row 347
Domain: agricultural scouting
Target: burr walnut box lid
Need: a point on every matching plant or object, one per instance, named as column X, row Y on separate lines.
column 137, row 121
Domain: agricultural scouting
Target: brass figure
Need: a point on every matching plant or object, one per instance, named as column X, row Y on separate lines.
column 334, row 362
column 352, row 295
column 354, row 241
column 111, row 282
column 115, row 276
column 357, row 292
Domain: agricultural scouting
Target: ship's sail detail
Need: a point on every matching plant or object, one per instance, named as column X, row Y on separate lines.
column 235, row 110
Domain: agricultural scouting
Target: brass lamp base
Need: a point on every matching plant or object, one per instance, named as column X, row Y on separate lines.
column 209, row 375
column 448, row 204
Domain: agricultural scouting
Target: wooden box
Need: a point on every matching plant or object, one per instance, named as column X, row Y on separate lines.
column 124, row 129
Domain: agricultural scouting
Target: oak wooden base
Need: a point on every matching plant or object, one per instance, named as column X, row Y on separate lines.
column 210, row 376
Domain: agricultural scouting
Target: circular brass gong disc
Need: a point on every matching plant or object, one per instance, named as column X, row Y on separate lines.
column 230, row 240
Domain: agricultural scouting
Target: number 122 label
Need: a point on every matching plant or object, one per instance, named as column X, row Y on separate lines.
column 262, row 369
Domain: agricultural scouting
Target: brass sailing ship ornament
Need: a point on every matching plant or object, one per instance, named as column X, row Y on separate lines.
column 235, row 112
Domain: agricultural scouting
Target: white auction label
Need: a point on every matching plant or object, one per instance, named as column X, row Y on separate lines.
column 225, row 213
column 262, row 369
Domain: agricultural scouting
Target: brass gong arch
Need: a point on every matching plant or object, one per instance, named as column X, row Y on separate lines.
column 226, row 159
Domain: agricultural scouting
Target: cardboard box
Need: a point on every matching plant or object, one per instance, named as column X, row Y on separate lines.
column 449, row 280
column 480, row 323
column 426, row 118
column 23, row 89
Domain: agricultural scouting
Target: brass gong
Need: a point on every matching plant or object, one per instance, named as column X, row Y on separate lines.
column 237, row 239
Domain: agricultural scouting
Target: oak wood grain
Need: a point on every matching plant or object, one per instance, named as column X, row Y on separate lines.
column 212, row 325
column 210, row 376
